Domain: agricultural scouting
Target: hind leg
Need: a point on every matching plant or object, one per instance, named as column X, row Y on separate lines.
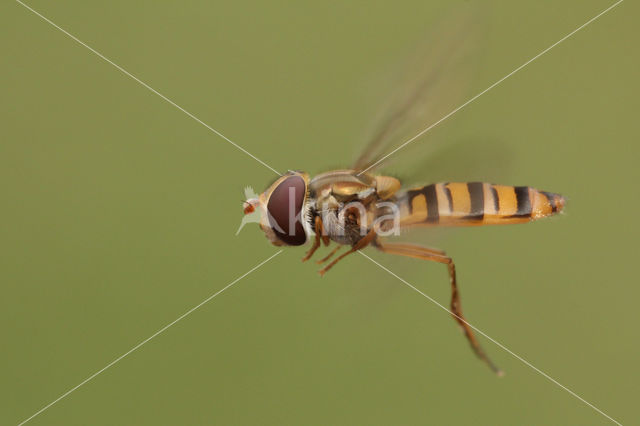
column 424, row 253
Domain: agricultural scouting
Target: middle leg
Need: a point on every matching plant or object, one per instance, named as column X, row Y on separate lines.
column 316, row 242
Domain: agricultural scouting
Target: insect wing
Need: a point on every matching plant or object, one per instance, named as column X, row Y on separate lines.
column 432, row 86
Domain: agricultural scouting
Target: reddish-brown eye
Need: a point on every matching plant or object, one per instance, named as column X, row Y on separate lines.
column 284, row 208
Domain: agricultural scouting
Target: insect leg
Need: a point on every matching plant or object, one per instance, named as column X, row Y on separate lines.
column 329, row 256
column 424, row 253
column 321, row 231
column 316, row 242
column 414, row 247
column 362, row 243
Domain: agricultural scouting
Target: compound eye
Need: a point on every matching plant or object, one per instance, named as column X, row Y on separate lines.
column 284, row 207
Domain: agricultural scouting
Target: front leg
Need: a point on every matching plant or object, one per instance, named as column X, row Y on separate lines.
column 316, row 243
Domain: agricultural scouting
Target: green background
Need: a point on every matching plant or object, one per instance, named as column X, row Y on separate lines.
column 119, row 212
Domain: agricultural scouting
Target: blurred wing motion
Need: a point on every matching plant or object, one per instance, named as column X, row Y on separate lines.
column 432, row 87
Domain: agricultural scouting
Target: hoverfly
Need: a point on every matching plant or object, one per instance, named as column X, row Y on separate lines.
column 355, row 208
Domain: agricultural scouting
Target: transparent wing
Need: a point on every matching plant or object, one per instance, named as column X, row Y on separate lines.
column 434, row 84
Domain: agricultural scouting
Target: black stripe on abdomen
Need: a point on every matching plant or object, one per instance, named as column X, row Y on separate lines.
column 476, row 198
column 431, row 197
column 447, row 192
column 524, row 201
column 496, row 199
column 552, row 200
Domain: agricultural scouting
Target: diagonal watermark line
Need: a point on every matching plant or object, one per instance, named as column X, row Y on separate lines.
column 500, row 345
column 491, row 87
column 136, row 347
column 128, row 74
column 268, row 259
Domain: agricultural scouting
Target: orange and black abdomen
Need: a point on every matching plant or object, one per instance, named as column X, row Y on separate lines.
column 475, row 203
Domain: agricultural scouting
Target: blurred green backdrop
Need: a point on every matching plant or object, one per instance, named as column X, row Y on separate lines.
column 119, row 213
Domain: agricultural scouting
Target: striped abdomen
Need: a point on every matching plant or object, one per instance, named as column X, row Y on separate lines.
column 475, row 203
